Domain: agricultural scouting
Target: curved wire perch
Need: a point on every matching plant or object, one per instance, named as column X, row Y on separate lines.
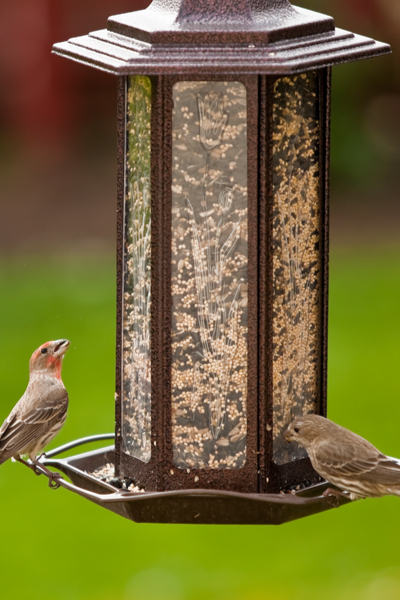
column 79, row 442
column 123, row 496
column 39, row 468
column 179, row 506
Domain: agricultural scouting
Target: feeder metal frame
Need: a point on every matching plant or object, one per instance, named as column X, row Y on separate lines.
column 255, row 42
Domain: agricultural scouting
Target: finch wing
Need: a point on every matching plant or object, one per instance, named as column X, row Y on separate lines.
column 387, row 472
column 344, row 458
column 356, row 458
column 25, row 426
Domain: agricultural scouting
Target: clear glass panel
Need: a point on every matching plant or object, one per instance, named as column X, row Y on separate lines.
column 209, row 274
column 136, row 404
column 296, row 256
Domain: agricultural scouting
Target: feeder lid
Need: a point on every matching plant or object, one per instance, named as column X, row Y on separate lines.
column 269, row 37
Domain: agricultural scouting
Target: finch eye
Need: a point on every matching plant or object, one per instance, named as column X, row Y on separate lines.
column 43, row 350
column 296, row 430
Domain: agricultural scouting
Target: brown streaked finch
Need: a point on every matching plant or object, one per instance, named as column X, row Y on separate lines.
column 41, row 412
column 345, row 459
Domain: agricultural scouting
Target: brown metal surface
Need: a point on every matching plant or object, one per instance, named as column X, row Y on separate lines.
column 219, row 22
column 150, row 475
column 245, row 478
column 161, row 474
column 157, row 310
column 235, row 36
column 166, row 439
column 269, row 484
column 200, row 506
column 264, row 281
column 277, row 477
column 120, row 55
column 249, row 474
column 325, row 113
column 121, row 145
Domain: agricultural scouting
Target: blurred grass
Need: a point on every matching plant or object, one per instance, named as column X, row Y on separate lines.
column 56, row 545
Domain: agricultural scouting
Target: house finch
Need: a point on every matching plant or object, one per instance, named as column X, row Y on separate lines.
column 41, row 412
column 345, row 459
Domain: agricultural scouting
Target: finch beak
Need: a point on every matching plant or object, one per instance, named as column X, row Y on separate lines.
column 289, row 435
column 60, row 347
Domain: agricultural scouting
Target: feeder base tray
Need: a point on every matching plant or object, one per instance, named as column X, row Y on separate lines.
column 187, row 506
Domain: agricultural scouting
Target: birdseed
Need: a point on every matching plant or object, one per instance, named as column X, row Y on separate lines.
column 107, row 473
column 297, row 246
column 136, row 402
column 209, row 274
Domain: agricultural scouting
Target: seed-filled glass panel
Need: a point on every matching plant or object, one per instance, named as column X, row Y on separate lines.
column 209, row 274
column 136, row 368
column 297, row 246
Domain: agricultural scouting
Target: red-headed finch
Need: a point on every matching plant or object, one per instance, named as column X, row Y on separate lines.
column 41, row 412
column 345, row 459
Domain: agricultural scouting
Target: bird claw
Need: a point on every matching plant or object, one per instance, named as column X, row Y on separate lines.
column 39, row 469
column 332, row 492
column 50, row 474
column 53, row 483
column 35, row 470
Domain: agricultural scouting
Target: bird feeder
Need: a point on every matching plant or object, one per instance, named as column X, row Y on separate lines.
column 223, row 185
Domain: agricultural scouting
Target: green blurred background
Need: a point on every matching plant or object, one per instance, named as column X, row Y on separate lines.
column 57, row 273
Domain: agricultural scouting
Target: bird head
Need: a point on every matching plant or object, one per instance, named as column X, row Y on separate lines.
column 306, row 429
column 48, row 358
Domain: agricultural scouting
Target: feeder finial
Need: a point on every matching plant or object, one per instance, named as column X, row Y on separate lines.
column 214, row 11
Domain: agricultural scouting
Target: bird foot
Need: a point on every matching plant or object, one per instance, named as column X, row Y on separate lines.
column 39, row 469
column 53, row 483
column 52, row 475
column 332, row 492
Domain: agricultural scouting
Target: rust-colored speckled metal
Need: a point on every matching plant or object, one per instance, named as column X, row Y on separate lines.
column 157, row 311
column 264, row 259
column 121, row 141
column 150, row 475
column 213, row 36
column 325, row 120
column 245, row 478
column 273, row 477
column 166, row 439
column 259, row 473
column 268, row 482
column 205, row 22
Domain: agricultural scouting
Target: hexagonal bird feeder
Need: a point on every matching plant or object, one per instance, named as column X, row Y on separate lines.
column 223, row 119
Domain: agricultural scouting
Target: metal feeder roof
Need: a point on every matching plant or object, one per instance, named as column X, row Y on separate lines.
column 269, row 37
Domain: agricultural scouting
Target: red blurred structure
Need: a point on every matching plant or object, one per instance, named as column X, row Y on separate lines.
column 383, row 16
column 44, row 101
column 368, row 9
column 57, row 117
column 41, row 97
